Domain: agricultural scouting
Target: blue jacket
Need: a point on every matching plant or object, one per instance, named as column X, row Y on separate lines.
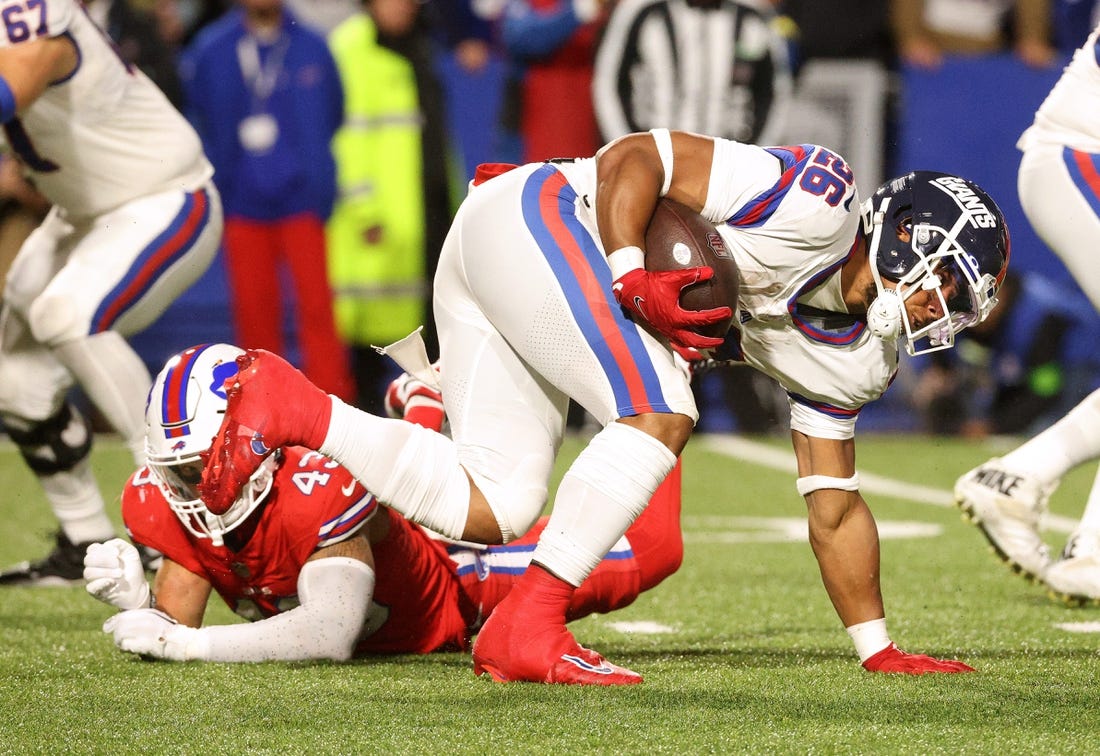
column 298, row 174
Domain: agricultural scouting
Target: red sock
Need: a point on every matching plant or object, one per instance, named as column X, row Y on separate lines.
column 655, row 537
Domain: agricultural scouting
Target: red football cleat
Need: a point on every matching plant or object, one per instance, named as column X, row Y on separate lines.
column 410, row 398
column 549, row 654
column 270, row 405
column 892, row 660
column 524, row 642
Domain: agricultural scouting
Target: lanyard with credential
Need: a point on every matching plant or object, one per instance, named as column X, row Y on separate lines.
column 259, row 131
column 261, row 78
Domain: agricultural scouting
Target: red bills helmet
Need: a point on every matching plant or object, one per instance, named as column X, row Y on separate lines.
column 931, row 231
column 184, row 412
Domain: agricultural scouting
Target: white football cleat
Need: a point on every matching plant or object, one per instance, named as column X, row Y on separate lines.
column 1075, row 578
column 1008, row 507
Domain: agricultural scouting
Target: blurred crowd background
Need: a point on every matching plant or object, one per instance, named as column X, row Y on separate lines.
column 344, row 134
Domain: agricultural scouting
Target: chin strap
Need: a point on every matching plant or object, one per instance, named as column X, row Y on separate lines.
column 886, row 313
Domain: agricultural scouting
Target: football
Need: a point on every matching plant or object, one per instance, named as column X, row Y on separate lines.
column 679, row 238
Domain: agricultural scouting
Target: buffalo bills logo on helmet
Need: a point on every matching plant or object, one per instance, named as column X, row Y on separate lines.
column 179, row 445
column 221, row 374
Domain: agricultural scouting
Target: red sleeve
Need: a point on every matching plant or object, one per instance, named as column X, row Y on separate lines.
column 151, row 522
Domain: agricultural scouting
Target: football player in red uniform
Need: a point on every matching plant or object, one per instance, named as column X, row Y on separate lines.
column 322, row 569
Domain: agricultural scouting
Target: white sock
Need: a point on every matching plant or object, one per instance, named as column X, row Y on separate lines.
column 78, row 505
column 412, row 469
column 1071, row 441
column 603, row 492
column 869, row 637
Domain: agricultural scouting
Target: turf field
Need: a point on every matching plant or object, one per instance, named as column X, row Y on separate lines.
column 741, row 651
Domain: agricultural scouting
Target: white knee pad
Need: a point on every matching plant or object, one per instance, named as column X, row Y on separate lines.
column 33, row 384
column 54, row 319
column 9, row 387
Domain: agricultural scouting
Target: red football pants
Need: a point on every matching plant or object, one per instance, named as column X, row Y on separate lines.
column 255, row 253
column 655, row 538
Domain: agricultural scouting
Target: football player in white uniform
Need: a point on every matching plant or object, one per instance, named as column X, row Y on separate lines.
column 1059, row 185
column 532, row 312
column 135, row 221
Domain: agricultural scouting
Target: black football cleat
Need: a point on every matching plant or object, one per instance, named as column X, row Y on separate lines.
column 61, row 567
column 151, row 559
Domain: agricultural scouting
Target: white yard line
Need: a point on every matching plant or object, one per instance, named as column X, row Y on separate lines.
column 764, row 455
column 1078, row 627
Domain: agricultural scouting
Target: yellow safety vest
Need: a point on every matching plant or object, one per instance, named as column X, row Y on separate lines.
column 375, row 235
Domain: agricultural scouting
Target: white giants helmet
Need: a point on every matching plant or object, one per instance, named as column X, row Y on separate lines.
column 184, row 413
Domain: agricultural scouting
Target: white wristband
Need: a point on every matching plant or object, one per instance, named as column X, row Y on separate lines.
column 811, row 483
column 624, row 260
column 869, row 638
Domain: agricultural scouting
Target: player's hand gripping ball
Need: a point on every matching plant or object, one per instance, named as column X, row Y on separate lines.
column 678, row 238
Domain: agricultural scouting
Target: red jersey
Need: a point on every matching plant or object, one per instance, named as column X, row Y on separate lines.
column 313, row 503
column 429, row 595
column 417, row 606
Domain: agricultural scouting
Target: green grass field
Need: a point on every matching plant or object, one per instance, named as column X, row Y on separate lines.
column 741, row 650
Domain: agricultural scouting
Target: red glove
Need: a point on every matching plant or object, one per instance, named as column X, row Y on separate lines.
column 893, row 660
column 688, row 354
column 655, row 297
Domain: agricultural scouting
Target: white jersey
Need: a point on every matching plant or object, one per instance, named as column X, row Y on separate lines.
column 1057, row 183
column 790, row 216
column 1070, row 115
column 104, row 135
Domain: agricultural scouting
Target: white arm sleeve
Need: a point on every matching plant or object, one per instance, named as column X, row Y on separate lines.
column 335, row 594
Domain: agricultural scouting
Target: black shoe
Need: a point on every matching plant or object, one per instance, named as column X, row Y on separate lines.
column 63, row 566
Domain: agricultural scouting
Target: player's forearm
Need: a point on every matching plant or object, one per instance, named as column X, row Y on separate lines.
column 292, row 636
column 335, row 595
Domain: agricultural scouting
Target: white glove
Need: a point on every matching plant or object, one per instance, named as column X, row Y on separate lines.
column 151, row 632
column 115, row 575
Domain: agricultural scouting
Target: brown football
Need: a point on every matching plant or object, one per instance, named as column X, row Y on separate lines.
column 679, row 238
